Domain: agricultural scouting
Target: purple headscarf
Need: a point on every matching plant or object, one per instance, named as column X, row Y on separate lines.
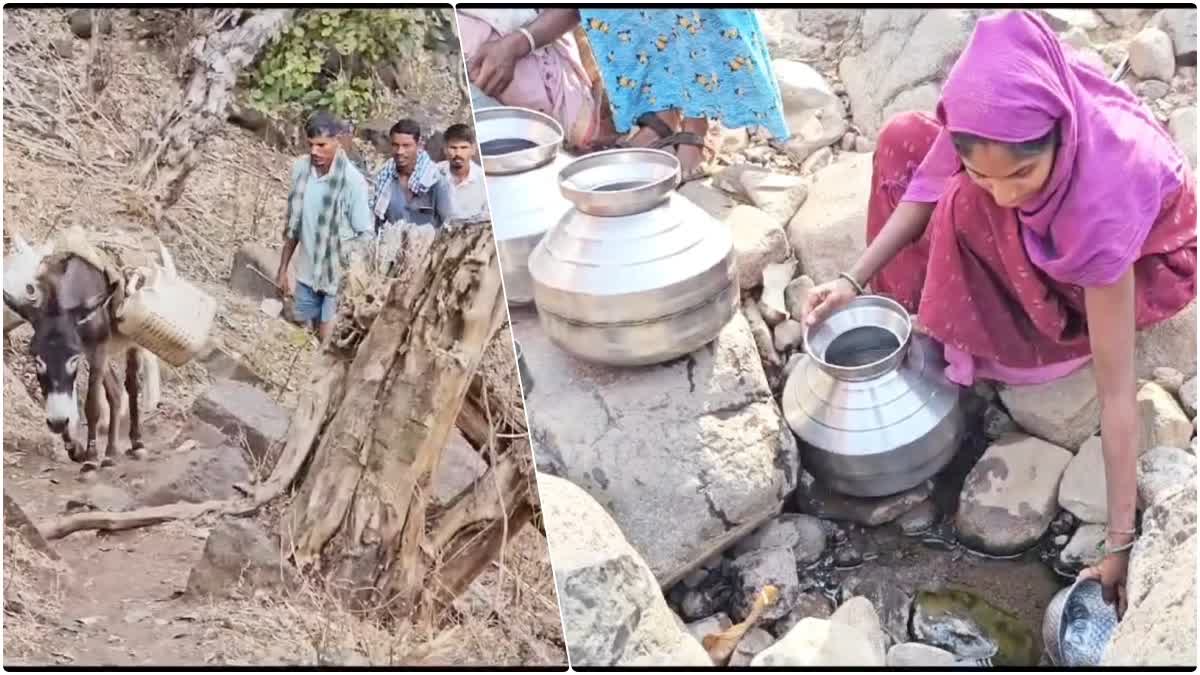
column 1114, row 166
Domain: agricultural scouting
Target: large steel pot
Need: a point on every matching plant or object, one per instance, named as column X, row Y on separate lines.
column 634, row 273
column 519, row 151
column 871, row 406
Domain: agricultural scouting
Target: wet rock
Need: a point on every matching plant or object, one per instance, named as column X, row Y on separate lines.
column 1187, row 396
column 904, row 50
column 1084, row 548
column 1063, row 20
column 612, row 609
column 1163, row 421
column 971, row 628
column 847, row 555
column 239, row 557
column 796, row 294
column 1180, row 25
column 703, row 601
column 82, row 25
column 1010, row 496
column 810, row 604
column 1064, row 412
column 1063, row 523
column 254, row 270
column 1159, row 626
column 796, row 531
column 820, row 642
column 776, row 277
column 197, row 476
column 242, row 411
column 1162, row 472
column 1152, row 56
column 707, row 419
column 458, row 468
column 758, row 240
column 759, row 568
column 1082, row 490
column 1152, row 90
column 1182, row 125
column 859, row 613
column 788, row 336
column 917, row 655
column 997, row 423
column 828, row 233
column 922, row 517
column 818, row 500
column 778, row 195
column 753, row 642
column 1169, row 379
column 709, row 625
column 887, row 595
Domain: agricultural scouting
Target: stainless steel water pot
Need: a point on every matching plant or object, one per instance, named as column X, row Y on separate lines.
column 521, row 159
column 871, row 406
column 634, row 273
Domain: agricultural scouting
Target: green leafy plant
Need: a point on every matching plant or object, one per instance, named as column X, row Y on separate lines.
column 327, row 59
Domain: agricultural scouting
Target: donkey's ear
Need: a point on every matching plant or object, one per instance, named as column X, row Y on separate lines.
column 96, row 302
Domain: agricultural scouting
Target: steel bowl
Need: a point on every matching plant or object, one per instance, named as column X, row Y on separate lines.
column 621, row 182
column 1078, row 625
column 495, row 124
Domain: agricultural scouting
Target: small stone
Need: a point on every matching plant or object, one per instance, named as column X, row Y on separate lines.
column 1163, row 421
column 847, row 555
column 238, row 556
column 788, row 335
column 801, row 533
column 752, row 643
column 778, row 195
column 890, row 598
column 1084, row 547
column 795, row 294
column 734, row 140
column 1152, row 90
column 1064, row 412
column 917, row 655
column 271, row 307
column 919, row 519
column 64, row 47
column 758, row 240
column 814, row 498
column 1113, row 54
column 817, row 161
column 81, row 23
column 760, row 568
column 699, row 603
column 1152, row 56
column 1063, row 523
column 1082, row 490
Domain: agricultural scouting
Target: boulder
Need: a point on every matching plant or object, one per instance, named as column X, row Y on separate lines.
column 1163, row 421
column 612, row 609
column 802, row 534
column 1182, row 125
column 917, row 655
column 1162, row 472
column 779, row 195
column 708, row 420
column 1064, row 412
column 196, row 476
column 859, row 613
column 1084, row 548
column 801, row 88
column 458, row 468
column 1083, row 490
column 1159, row 626
column 1152, row 56
column 814, row 130
column 920, row 519
column 1180, row 25
column 756, row 569
column 782, row 29
column 243, row 413
column 1170, row 343
column 814, row 498
column 904, row 50
column 254, row 269
column 1011, row 495
column 829, row 231
column 820, row 642
column 239, row 557
column 758, row 240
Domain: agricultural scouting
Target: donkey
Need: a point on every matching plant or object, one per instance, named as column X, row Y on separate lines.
column 73, row 322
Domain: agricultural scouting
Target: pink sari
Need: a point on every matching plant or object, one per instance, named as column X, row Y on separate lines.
column 551, row 80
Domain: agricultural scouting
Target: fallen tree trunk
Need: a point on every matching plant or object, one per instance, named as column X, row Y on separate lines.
column 229, row 42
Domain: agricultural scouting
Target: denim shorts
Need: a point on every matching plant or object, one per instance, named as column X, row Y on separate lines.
column 313, row 306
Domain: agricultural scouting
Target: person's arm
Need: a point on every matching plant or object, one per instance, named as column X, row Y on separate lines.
column 282, row 279
column 491, row 68
column 362, row 221
column 1110, row 316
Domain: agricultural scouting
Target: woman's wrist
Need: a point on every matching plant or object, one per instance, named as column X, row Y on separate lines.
column 517, row 44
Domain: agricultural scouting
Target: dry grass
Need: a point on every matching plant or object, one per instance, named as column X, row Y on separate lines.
column 33, row 590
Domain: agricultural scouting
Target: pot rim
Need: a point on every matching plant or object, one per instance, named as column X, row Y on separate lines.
column 615, row 203
column 518, row 161
column 874, row 368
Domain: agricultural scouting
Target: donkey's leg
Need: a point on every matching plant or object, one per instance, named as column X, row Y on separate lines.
column 112, row 393
column 132, row 357
column 97, row 365
column 152, row 379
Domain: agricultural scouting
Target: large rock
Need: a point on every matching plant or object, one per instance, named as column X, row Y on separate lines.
column 1187, row 396
column 242, row 411
column 197, row 476
column 801, row 88
column 758, row 241
column 1011, row 495
column 688, row 456
column 254, row 269
column 814, row 130
column 1163, row 422
column 239, row 557
column 1159, row 627
column 829, row 231
column 1161, row 473
column 612, row 609
column 859, row 613
column 1064, row 412
column 917, row 655
column 1180, row 24
column 820, row 642
column 890, row 598
column 1182, row 125
column 903, row 50
column 814, row 498
column 1083, row 490
column 1152, row 56
column 779, row 195
column 1171, row 343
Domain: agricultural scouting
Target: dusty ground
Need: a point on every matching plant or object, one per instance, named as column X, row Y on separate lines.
column 118, row 601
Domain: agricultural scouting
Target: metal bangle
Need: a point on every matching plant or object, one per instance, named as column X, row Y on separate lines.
column 528, row 36
column 853, row 282
column 1117, row 549
column 1112, row 531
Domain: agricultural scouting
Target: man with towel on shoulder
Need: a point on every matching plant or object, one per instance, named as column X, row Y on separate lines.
column 410, row 188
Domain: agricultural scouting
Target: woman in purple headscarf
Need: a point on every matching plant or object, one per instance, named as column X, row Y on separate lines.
column 1040, row 220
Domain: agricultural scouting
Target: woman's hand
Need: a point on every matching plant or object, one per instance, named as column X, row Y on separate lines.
column 827, row 298
column 491, row 68
column 1111, row 573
